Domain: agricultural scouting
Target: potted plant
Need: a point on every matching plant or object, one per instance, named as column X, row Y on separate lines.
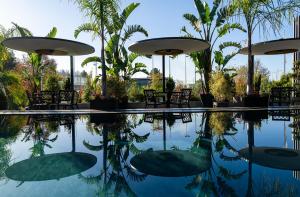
column 170, row 86
column 221, row 89
column 257, row 99
column 117, row 97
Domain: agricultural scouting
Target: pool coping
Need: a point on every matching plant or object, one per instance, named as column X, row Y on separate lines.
column 144, row 110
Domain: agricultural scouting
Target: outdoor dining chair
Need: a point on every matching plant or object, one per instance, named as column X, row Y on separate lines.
column 65, row 99
column 181, row 98
column 153, row 98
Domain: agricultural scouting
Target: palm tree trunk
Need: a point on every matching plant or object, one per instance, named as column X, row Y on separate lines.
column 103, row 79
column 207, row 69
column 250, row 63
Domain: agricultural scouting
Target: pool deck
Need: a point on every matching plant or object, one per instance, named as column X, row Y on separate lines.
column 143, row 110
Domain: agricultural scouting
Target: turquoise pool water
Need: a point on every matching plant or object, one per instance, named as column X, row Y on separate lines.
column 166, row 154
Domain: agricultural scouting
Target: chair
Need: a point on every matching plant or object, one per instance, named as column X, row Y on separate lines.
column 281, row 96
column 186, row 96
column 49, row 97
column 65, row 99
column 35, row 101
column 181, row 98
column 152, row 98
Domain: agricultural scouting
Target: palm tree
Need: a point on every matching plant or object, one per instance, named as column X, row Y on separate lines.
column 115, row 51
column 262, row 14
column 100, row 13
column 211, row 24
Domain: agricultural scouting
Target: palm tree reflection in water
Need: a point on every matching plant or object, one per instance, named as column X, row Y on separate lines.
column 118, row 142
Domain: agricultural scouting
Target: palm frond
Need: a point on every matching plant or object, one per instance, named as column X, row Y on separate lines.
column 52, row 33
column 132, row 29
column 90, row 59
column 87, row 27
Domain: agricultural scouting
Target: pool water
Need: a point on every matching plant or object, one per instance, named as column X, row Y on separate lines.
column 164, row 154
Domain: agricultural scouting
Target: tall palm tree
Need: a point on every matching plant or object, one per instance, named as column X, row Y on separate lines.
column 211, row 24
column 266, row 14
column 116, row 53
column 100, row 12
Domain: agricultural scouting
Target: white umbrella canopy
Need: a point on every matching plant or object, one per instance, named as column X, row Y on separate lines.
column 274, row 47
column 169, row 46
column 48, row 46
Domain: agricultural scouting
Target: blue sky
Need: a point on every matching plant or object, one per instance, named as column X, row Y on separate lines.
column 159, row 17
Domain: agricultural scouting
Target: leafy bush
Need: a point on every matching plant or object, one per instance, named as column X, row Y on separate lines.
column 135, row 92
column 170, row 85
column 88, row 89
column 52, row 83
column 220, row 87
column 116, row 87
column 156, row 83
column 67, row 84
column 196, row 90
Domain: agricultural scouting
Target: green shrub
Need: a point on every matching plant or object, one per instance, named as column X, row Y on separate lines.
column 52, row 83
column 135, row 92
column 170, row 85
column 220, row 87
column 116, row 87
column 67, row 84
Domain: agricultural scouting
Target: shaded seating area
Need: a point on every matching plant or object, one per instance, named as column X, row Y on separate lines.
column 281, row 96
column 154, row 98
column 53, row 99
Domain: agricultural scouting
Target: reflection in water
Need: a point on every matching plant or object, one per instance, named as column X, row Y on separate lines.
column 10, row 127
column 118, row 143
column 279, row 158
column 138, row 160
column 42, row 167
column 50, row 167
column 172, row 163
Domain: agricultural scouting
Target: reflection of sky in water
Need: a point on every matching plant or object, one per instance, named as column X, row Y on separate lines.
column 181, row 136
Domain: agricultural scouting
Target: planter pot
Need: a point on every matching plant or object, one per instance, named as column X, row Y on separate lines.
column 255, row 116
column 104, row 103
column 123, row 102
column 256, row 101
column 221, row 104
column 207, row 100
column 3, row 102
column 98, row 119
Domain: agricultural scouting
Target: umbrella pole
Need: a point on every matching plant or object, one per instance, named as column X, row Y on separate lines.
column 164, row 131
column 73, row 136
column 72, row 72
column 164, row 73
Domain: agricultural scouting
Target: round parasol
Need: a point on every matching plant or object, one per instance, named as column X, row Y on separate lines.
column 168, row 46
column 274, row 47
column 279, row 158
column 50, row 46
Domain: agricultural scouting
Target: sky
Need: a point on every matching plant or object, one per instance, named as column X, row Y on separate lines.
column 161, row 18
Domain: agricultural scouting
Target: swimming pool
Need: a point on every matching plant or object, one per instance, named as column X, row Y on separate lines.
column 155, row 154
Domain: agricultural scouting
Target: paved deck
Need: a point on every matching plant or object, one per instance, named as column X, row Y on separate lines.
column 142, row 110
